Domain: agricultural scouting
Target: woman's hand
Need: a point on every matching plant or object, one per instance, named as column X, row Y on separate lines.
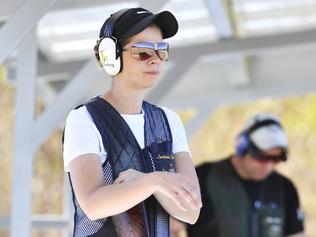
column 180, row 188
column 128, row 175
column 179, row 193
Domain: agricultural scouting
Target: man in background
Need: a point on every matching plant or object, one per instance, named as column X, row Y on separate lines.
column 243, row 195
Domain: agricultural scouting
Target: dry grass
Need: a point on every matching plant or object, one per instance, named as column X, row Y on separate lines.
column 4, row 233
column 6, row 146
column 46, row 233
column 47, row 184
column 48, row 177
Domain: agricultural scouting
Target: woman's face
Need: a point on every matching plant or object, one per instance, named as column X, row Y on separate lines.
column 142, row 74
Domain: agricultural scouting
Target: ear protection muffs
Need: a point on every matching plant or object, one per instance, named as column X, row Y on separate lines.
column 243, row 139
column 109, row 48
column 242, row 144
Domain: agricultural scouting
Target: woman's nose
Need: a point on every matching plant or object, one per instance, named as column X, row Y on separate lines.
column 154, row 59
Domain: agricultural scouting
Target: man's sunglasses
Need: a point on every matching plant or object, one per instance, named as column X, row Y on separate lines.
column 266, row 158
column 258, row 155
column 143, row 51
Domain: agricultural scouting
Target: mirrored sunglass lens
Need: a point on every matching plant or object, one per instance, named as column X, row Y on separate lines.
column 163, row 54
column 264, row 158
column 142, row 53
column 144, row 56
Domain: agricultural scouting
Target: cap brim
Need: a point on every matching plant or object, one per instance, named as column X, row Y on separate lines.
column 269, row 137
column 164, row 20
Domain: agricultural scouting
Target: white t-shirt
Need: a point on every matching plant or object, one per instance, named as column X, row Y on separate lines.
column 82, row 136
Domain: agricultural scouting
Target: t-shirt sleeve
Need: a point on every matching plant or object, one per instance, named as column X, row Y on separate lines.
column 179, row 137
column 294, row 220
column 80, row 137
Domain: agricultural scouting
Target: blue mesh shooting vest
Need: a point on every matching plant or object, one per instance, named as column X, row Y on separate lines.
column 147, row 219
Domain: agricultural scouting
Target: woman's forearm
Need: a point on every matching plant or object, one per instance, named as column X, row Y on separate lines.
column 116, row 198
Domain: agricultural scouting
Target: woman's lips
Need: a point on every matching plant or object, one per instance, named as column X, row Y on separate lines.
column 153, row 73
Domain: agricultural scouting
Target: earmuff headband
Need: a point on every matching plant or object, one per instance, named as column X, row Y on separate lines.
column 109, row 48
column 244, row 141
column 261, row 124
column 110, row 24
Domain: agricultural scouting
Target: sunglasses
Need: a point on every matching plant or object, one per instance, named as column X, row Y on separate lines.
column 265, row 158
column 143, row 51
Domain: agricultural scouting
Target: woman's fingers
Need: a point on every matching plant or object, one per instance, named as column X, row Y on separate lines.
column 118, row 180
column 180, row 188
column 128, row 175
column 189, row 197
column 176, row 198
column 195, row 197
column 185, row 195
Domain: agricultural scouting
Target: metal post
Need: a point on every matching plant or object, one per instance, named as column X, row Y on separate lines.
column 23, row 150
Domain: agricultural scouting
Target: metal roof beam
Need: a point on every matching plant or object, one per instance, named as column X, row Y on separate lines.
column 20, row 24
column 220, row 16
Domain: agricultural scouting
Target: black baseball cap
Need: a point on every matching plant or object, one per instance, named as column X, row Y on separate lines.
column 135, row 20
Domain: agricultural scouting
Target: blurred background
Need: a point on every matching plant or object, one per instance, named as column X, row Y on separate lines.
column 229, row 60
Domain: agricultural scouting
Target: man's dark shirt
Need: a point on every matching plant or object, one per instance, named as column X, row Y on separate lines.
column 293, row 215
